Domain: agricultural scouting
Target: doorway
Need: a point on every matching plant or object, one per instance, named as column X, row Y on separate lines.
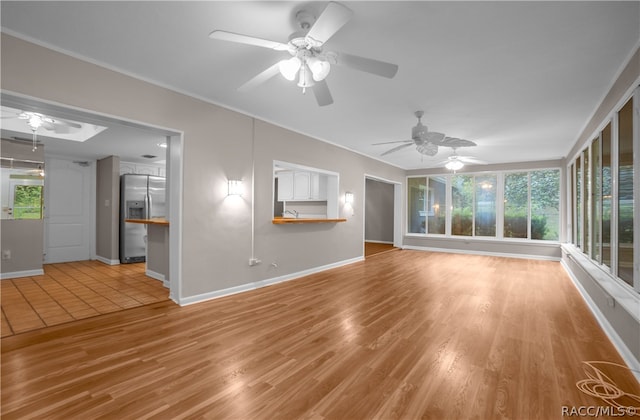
column 70, row 178
column 382, row 221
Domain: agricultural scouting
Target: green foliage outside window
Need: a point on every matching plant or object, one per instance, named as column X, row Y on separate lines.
column 27, row 202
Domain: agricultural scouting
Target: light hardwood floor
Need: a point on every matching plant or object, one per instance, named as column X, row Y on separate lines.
column 404, row 335
column 373, row 248
column 72, row 291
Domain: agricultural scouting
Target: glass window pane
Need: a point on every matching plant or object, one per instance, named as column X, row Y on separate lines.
column 572, row 208
column 607, row 190
column 436, row 212
column 516, row 205
column 586, row 211
column 578, row 202
column 27, row 202
column 462, row 205
column 625, row 193
column 545, row 204
column 485, row 209
column 595, row 199
column 417, row 197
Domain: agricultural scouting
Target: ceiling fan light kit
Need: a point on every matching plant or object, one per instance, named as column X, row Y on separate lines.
column 309, row 63
column 35, row 121
column 454, row 165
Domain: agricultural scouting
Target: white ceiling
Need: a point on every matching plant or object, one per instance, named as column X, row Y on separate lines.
column 521, row 79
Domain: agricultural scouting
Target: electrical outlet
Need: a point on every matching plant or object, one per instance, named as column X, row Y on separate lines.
column 6, row 254
column 254, row 261
column 611, row 302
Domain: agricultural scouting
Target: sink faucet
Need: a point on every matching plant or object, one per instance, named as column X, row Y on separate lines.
column 295, row 213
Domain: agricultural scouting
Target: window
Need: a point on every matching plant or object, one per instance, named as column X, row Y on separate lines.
column 475, row 207
column 596, row 199
column 545, row 204
column 578, row 207
column 516, row 205
column 25, row 197
column 462, row 205
column 603, row 192
column 27, row 202
column 417, row 189
column 485, row 205
column 437, row 202
column 606, row 190
column 625, row 193
column 586, row 210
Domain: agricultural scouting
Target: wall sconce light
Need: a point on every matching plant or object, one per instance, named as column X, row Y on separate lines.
column 348, row 198
column 235, row 187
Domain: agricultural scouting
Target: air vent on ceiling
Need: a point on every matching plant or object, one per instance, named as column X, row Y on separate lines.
column 149, row 156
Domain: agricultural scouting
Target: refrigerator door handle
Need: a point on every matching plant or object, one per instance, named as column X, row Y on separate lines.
column 147, row 205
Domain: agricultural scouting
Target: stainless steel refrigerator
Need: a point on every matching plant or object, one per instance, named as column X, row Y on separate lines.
column 141, row 197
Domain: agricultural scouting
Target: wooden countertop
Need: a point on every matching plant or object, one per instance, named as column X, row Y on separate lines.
column 291, row 220
column 155, row 221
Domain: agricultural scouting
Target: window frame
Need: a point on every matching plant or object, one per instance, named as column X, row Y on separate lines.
column 500, row 181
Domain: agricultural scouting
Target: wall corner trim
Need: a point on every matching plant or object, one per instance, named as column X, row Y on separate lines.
column 263, row 283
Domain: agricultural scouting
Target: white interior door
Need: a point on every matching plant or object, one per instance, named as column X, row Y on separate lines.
column 68, row 221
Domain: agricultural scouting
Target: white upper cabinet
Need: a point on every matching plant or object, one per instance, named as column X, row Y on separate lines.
column 301, row 186
column 285, row 185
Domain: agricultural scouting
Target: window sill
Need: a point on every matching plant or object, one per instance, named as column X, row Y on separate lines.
column 480, row 239
column 626, row 297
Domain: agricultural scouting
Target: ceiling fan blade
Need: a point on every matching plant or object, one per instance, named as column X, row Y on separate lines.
column 395, row 149
column 392, row 142
column 66, row 123
column 249, row 40
column 332, row 18
column 260, row 78
column 48, row 126
column 456, row 142
column 322, row 93
column 58, row 128
column 434, row 137
column 368, row 65
column 469, row 159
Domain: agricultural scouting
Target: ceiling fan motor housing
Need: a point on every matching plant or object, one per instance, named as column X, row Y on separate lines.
column 419, row 132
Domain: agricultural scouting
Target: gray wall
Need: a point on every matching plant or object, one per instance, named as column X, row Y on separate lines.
column 107, row 209
column 625, row 80
column 379, row 211
column 24, row 238
column 218, row 145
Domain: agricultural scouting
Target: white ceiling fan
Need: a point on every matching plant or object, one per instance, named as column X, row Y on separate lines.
column 426, row 142
column 309, row 63
column 36, row 120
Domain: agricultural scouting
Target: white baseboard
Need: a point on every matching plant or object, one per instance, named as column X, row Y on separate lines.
column 487, row 253
column 625, row 353
column 17, row 274
column 154, row 275
column 262, row 283
column 107, row 261
column 379, row 242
